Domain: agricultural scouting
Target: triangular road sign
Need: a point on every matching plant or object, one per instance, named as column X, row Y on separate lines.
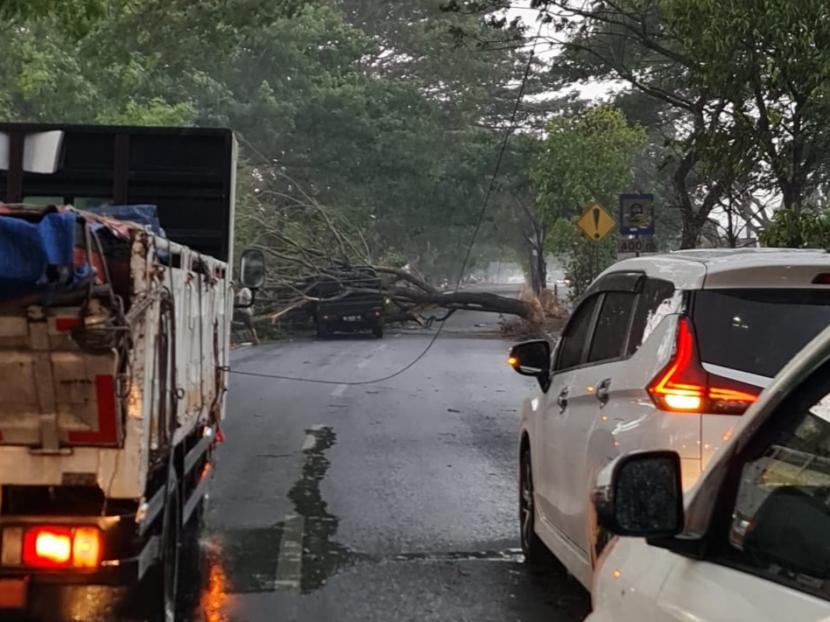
column 596, row 223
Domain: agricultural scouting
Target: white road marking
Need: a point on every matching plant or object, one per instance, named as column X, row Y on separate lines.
column 289, row 572
column 339, row 389
column 368, row 359
column 290, row 558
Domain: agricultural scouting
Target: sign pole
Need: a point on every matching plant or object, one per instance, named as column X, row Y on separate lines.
column 596, row 223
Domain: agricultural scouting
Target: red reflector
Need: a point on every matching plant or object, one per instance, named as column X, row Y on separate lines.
column 13, row 593
column 684, row 386
column 822, row 278
column 107, row 432
column 65, row 324
column 62, row 547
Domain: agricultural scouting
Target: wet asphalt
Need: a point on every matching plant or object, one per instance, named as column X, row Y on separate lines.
column 390, row 501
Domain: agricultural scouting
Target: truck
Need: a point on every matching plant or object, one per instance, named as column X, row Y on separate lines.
column 115, row 306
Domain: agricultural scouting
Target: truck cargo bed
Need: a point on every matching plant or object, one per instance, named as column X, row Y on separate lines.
column 86, row 374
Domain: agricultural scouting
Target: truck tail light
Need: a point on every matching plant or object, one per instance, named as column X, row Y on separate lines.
column 62, row 547
column 86, row 547
column 683, row 386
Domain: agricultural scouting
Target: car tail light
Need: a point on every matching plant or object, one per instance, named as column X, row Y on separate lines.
column 62, row 547
column 822, row 278
column 683, row 386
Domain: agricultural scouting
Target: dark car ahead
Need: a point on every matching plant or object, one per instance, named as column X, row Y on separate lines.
column 351, row 301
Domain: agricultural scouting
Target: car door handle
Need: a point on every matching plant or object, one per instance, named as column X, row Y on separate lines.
column 562, row 399
column 603, row 391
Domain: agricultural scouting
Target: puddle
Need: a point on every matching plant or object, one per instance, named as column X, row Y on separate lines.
column 322, row 555
column 245, row 561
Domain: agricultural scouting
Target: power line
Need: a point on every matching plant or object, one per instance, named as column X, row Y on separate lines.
column 485, row 202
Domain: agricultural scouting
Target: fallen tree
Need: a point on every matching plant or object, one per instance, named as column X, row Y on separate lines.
column 306, row 244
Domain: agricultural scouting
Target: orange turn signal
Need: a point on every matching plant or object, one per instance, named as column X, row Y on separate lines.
column 86, row 547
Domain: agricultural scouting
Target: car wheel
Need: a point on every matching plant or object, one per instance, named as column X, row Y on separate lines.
column 377, row 331
column 533, row 548
column 323, row 332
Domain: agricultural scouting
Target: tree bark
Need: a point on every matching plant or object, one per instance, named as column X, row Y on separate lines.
column 473, row 301
column 690, row 234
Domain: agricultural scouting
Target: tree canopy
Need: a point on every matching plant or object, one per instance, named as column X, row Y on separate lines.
column 390, row 116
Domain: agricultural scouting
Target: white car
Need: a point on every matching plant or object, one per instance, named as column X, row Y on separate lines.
column 663, row 352
column 753, row 544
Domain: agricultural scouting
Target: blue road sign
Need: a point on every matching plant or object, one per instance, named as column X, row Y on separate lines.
column 637, row 214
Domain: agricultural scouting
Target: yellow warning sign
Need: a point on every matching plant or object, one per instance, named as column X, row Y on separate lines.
column 596, row 222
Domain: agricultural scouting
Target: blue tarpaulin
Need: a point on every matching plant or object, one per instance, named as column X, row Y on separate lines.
column 141, row 214
column 38, row 255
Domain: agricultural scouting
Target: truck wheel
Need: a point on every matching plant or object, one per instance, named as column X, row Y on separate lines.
column 191, row 570
column 165, row 580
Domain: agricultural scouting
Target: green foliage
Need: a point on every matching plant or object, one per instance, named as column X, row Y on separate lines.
column 583, row 259
column 585, row 158
column 75, row 16
column 806, row 228
column 377, row 110
column 771, row 61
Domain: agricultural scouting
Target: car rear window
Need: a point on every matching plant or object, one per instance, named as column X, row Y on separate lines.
column 757, row 330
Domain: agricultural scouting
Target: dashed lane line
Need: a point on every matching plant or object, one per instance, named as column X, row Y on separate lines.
column 290, row 555
column 290, row 558
column 369, row 358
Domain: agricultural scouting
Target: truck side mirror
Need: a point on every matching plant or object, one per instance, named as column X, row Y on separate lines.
column 252, row 269
column 641, row 494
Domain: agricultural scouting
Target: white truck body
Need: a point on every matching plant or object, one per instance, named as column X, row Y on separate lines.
column 52, row 392
column 114, row 346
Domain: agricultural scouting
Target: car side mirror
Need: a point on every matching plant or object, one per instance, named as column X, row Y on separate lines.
column 641, row 494
column 252, row 269
column 532, row 358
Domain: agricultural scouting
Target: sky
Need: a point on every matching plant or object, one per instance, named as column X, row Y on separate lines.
column 547, row 51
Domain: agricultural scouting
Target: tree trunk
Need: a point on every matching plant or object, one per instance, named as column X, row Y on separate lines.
column 535, row 283
column 477, row 301
column 690, row 233
column 538, row 264
column 541, row 270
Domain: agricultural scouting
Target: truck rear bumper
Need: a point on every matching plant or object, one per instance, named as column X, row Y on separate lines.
column 111, row 592
column 54, row 602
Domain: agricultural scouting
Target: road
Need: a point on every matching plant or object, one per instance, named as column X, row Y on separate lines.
column 388, row 501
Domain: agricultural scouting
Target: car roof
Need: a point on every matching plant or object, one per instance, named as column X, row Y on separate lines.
column 730, row 267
